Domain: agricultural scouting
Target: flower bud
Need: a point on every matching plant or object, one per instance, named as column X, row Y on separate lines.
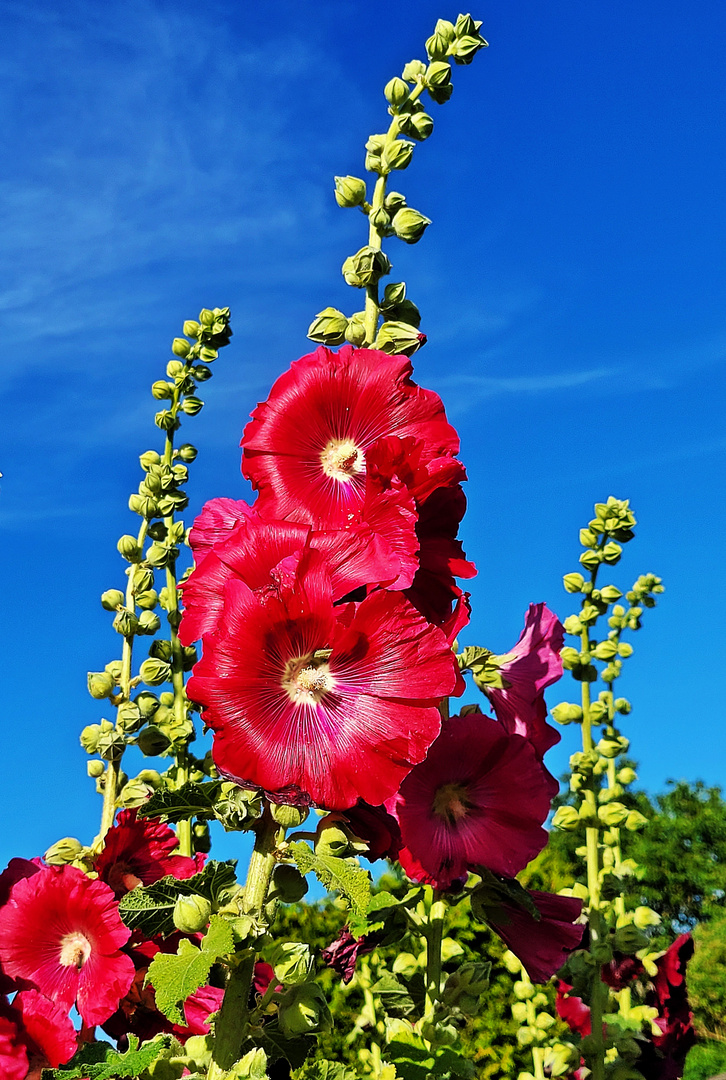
column 128, row 547
column 566, row 713
column 441, row 94
column 393, row 294
column 95, row 769
column 201, row 372
column 191, row 914
column 328, row 327
column 112, row 599
column 438, row 74
column 590, row 559
column 332, row 840
column 643, row 917
column 89, row 737
column 100, row 684
column 466, row 47
column 158, row 556
column 439, row 42
column 396, row 93
column 134, row 793
column 418, row 126
column 152, row 741
column 414, row 71
column 612, row 814
column 398, row 338
column 128, row 717
column 394, row 201
column 126, row 622
column 349, row 191
column 380, row 219
column 144, row 505
column 63, row 851
column 237, row 807
column 176, row 370
column 147, row 600
column 166, row 420
column 627, row 776
column 570, row 657
column 303, row 1010
column 191, row 328
column 365, row 267
column 566, row 818
column 147, row 703
column 355, row 333
column 162, row 389
column 523, row 990
column 191, row 405
column 397, row 155
column 154, row 672
column 201, row 836
column 292, row 962
column 609, row 747
column 635, row 821
column 290, row 817
column 573, row 582
column 409, row 225
column 289, row 884
column 180, row 347
column 610, row 594
column 629, row 939
column 148, row 623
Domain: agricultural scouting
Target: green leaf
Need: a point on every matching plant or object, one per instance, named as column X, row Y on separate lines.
column 495, row 894
column 325, row 1070
column 278, row 1046
column 383, row 908
column 99, row 1061
column 150, row 908
column 175, row 977
column 345, row 876
column 191, row 800
column 394, row 995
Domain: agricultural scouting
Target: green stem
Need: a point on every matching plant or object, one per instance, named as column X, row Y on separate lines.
column 375, row 240
column 436, row 911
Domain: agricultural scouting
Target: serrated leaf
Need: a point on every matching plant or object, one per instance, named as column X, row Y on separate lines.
column 325, row 1070
column 345, row 876
column 191, row 800
column 382, row 907
column 99, row 1061
column 176, row 976
column 277, row 1046
column 394, row 995
column 150, row 908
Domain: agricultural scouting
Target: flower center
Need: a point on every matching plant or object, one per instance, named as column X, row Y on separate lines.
column 306, row 681
column 451, row 802
column 342, row 460
column 75, row 950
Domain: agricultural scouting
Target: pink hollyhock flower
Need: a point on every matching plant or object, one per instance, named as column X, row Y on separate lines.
column 42, row 1028
column 541, row 944
column 479, row 799
column 138, row 851
column 531, row 666
column 325, row 704
column 305, row 447
column 60, row 933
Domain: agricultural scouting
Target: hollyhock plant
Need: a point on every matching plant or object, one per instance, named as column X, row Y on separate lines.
column 541, row 944
column 138, row 851
column 527, row 670
column 479, row 799
column 316, row 703
column 60, row 933
column 42, row 1028
column 305, row 447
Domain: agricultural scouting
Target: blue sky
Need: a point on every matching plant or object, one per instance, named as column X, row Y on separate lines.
column 163, row 156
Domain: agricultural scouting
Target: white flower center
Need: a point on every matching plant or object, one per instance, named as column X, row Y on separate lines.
column 306, row 682
column 342, row 460
column 75, row 950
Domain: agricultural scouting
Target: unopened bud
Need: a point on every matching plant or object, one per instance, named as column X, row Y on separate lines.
column 466, row 47
column 191, row 914
column 180, row 347
column 100, row 684
column 63, row 851
column 332, row 840
column 398, row 338
column 302, row 1009
column 355, row 332
column 397, row 155
column 129, row 548
column 154, row 672
column 89, row 737
column 128, row 717
column 438, row 74
column 187, row 452
column 396, row 93
column 573, row 582
column 112, row 599
column 567, row 713
column 289, row 884
column 635, row 821
column 349, row 191
column 328, row 327
column 414, row 71
column 162, row 389
column 191, row 405
column 409, row 225
column 290, row 817
column 147, row 703
column 191, row 328
column 95, row 769
column 612, row 814
column 126, row 622
column 365, row 267
column 566, row 818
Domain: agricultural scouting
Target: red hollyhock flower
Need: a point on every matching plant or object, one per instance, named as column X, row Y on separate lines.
column 43, row 1028
column 572, row 1009
column 14, row 1062
column 479, row 799
column 215, row 523
column 665, row 1057
column 305, row 447
column 441, row 558
column 541, row 944
column 531, row 666
column 138, row 852
column 320, row 703
column 60, row 932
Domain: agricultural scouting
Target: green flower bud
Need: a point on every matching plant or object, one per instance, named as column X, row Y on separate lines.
column 148, row 623
column 154, row 672
column 303, row 1010
column 438, row 74
column 147, row 703
column 396, row 92
column 95, row 769
column 180, row 347
column 349, row 191
column 191, row 328
column 207, row 354
column 590, row 559
column 187, row 452
column 609, row 747
column 149, row 458
column 381, row 221
column 466, row 47
column 414, row 71
column 237, row 807
column 201, row 837
column 152, row 741
column 189, row 657
column 442, row 37
column 409, row 225
column 523, row 990
column 63, row 851
column 612, row 814
column 418, row 126
column 566, row 818
column 144, row 505
column 466, row 25
column 126, row 622
column 598, row 712
column 191, row 405
column 128, row 717
column 570, row 657
column 158, row 556
column 566, row 713
column 100, row 684
column 147, row 600
column 333, row 840
column 176, row 370
column 643, row 917
column 290, row 817
column 397, row 155
column 191, row 914
column 201, row 372
column 629, row 939
column 625, row 649
column 365, row 267
column 112, row 599
column 635, row 821
column 162, row 389
column 292, row 962
column 393, row 294
column 166, row 420
column 405, row 312
column 128, row 547
column 627, row 776
column 356, row 329
column 573, row 582
column 441, row 94
column 394, row 201
column 328, row 327
column 161, row 650
column 398, row 339
column 134, row 793
column 610, row 594
column 289, row 884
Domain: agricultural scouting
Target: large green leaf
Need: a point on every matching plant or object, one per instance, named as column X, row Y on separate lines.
column 175, row 977
column 191, row 800
column 99, row 1061
column 150, row 908
column 345, row 876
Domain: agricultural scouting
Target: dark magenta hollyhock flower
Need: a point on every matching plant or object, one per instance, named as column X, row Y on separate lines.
column 60, row 933
column 305, row 448
column 342, row 954
column 541, row 944
column 316, row 702
column 532, row 665
column 139, row 851
column 479, row 799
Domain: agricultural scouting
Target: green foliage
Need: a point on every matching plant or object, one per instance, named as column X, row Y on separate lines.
column 175, row 977
column 190, row 800
column 99, row 1061
column 345, row 876
column 150, row 908
column 705, row 1061
column 707, row 979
